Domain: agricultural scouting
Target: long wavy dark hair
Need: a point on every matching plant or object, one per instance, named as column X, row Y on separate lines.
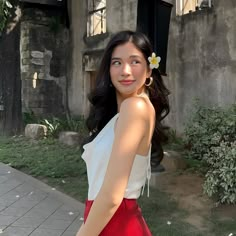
column 103, row 97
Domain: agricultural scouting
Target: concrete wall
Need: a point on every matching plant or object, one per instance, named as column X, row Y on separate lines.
column 86, row 51
column 202, row 60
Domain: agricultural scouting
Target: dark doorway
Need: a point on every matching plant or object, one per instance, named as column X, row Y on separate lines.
column 154, row 20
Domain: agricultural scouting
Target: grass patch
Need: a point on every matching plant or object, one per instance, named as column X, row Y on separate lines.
column 226, row 227
column 164, row 217
column 47, row 160
column 62, row 167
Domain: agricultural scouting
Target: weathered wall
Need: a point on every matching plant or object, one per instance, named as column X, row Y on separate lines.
column 10, row 82
column 44, row 45
column 202, row 59
column 86, row 52
column 200, row 62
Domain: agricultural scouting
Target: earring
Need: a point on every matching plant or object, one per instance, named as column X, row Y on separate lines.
column 150, row 82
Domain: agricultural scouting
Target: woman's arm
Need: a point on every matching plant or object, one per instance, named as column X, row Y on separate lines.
column 130, row 130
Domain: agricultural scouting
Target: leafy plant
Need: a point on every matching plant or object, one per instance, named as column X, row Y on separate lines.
column 29, row 118
column 221, row 177
column 52, row 126
column 211, row 136
column 175, row 141
column 56, row 125
column 208, row 127
column 5, row 7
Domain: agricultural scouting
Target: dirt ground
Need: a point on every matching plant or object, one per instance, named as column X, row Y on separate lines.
column 186, row 189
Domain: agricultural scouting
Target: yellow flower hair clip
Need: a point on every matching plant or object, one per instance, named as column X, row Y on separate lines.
column 154, row 61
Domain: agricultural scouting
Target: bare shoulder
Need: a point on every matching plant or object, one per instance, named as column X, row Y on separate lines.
column 136, row 106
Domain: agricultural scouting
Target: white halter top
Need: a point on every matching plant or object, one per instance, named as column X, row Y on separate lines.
column 96, row 156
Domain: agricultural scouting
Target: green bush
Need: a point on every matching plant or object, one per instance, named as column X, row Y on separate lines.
column 208, row 127
column 211, row 137
column 29, row 118
column 221, row 176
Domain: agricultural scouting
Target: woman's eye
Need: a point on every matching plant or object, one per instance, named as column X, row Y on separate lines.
column 135, row 62
column 115, row 63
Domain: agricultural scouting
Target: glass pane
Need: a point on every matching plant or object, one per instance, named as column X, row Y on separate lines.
column 96, row 22
column 186, row 6
column 94, row 5
column 100, row 4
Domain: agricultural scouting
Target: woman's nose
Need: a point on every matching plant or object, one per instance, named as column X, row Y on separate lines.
column 126, row 70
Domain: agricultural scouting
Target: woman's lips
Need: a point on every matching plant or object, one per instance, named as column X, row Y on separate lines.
column 126, row 82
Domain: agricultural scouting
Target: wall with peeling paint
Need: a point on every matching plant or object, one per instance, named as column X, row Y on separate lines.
column 201, row 60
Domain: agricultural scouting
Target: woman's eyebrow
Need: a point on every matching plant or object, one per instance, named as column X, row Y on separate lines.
column 115, row 58
column 131, row 56
column 135, row 56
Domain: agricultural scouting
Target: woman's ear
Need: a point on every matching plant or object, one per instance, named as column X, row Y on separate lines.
column 149, row 72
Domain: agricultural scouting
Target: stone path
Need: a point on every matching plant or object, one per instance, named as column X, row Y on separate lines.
column 30, row 207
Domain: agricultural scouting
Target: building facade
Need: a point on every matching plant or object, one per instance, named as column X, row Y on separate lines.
column 201, row 55
column 195, row 39
column 92, row 24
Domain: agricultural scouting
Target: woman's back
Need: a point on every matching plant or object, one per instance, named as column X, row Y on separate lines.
column 96, row 155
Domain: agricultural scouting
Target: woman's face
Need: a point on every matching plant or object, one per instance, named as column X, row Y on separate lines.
column 128, row 70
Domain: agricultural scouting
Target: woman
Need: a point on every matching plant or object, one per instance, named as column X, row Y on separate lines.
column 128, row 104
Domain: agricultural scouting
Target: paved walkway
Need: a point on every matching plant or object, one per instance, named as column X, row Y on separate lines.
column 30, row 207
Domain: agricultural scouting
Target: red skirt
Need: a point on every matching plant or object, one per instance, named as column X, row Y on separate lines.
column 127, row 220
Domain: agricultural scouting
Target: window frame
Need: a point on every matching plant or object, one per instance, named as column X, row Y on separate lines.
column 195, row 6
column 91, row 13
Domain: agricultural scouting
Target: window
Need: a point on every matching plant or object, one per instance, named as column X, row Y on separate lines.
column 96, row 23
column 186, row 6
